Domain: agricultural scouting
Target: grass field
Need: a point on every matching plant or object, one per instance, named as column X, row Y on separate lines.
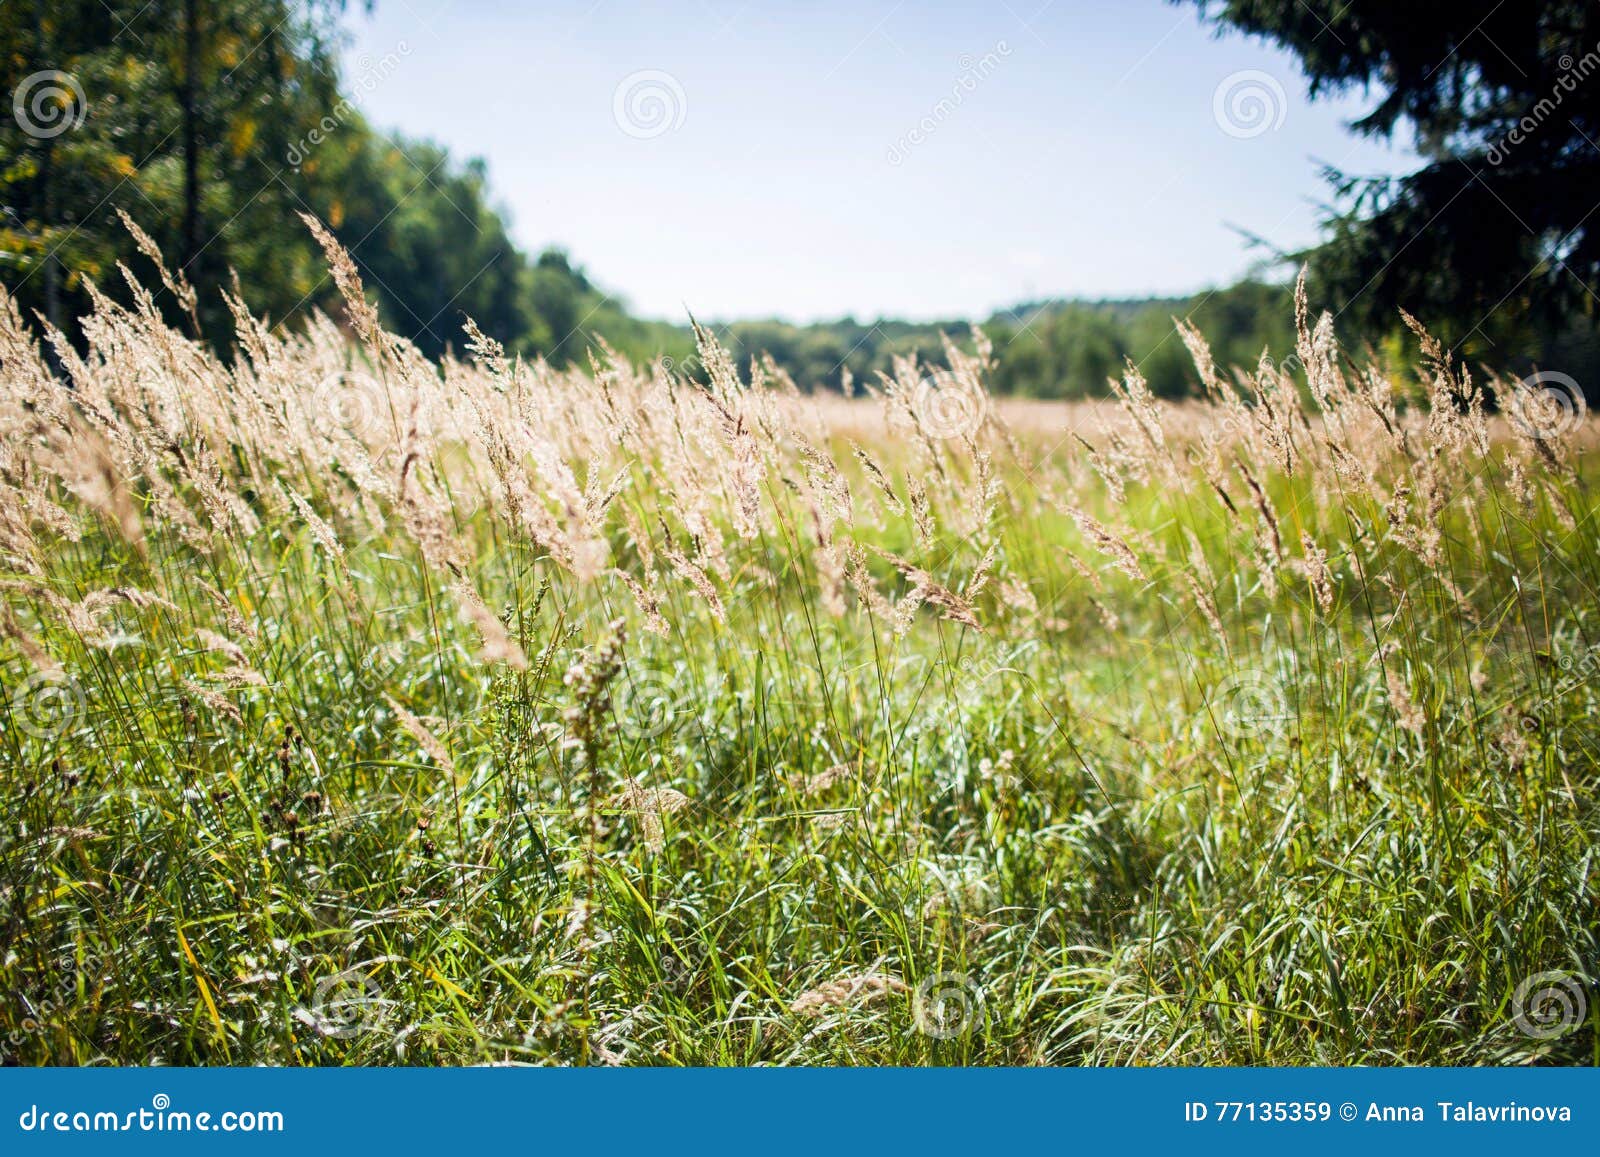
column 362, row 710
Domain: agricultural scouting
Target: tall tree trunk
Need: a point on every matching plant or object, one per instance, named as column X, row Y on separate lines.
column 188, row 102
column 47, row 210
column 52, row 268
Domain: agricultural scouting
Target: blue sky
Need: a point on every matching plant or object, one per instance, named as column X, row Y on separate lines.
column 814, row 159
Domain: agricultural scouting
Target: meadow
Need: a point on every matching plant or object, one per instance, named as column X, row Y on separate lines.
column 365, row 709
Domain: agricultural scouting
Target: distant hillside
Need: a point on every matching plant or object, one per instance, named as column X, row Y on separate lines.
column 1048, row 349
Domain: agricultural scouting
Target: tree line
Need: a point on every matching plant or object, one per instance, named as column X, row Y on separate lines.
column 213, row 123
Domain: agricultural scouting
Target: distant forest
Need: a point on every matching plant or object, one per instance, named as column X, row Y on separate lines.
column 214, row 124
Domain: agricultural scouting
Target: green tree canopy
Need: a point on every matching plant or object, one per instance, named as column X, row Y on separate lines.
column 1493, row 237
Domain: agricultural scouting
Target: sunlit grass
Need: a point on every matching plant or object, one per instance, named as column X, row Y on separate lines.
column 359, row 712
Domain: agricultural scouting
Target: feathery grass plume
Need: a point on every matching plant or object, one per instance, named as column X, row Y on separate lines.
column 1316, row 566
column 1106, row 472
column 427, row 740
column 362, row 313
column 177, row 284
column 696, row 577
column 849, row 991
column 649, row 804
column 921, row 512
column 1317, row 350
column 237, row 623
column 745, row 465
column 868, row 597
column 819, row 782
column 1134, row 397
column 92, row 475
column 1016, row 595
column 1208, row 610
column 904, row 612
column 1406, row 711
column 1455, row 404
column 1106, row 543
column 498, row 646
column 239, row 675
column 216, row 701
column 981, row 574
column 43, row 661
column 1269, row 542
column 879, row 480
column 648, row 600
column 320, row 530
column 1216, row 387
column 927, row 590
column 84, row 616
column 222, row 645
column 828, row 486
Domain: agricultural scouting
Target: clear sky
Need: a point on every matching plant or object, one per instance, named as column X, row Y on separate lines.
column 815, row 158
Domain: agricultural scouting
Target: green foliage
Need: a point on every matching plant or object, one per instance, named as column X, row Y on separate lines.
column 1054, row 349
column 239, row 83
column 273, row 136
column 1492, row 238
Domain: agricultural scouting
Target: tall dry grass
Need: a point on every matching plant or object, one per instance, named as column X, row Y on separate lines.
column 360, row 708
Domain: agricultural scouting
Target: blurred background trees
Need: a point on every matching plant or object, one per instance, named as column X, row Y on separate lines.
column 1495, row 238
column 211, row 122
